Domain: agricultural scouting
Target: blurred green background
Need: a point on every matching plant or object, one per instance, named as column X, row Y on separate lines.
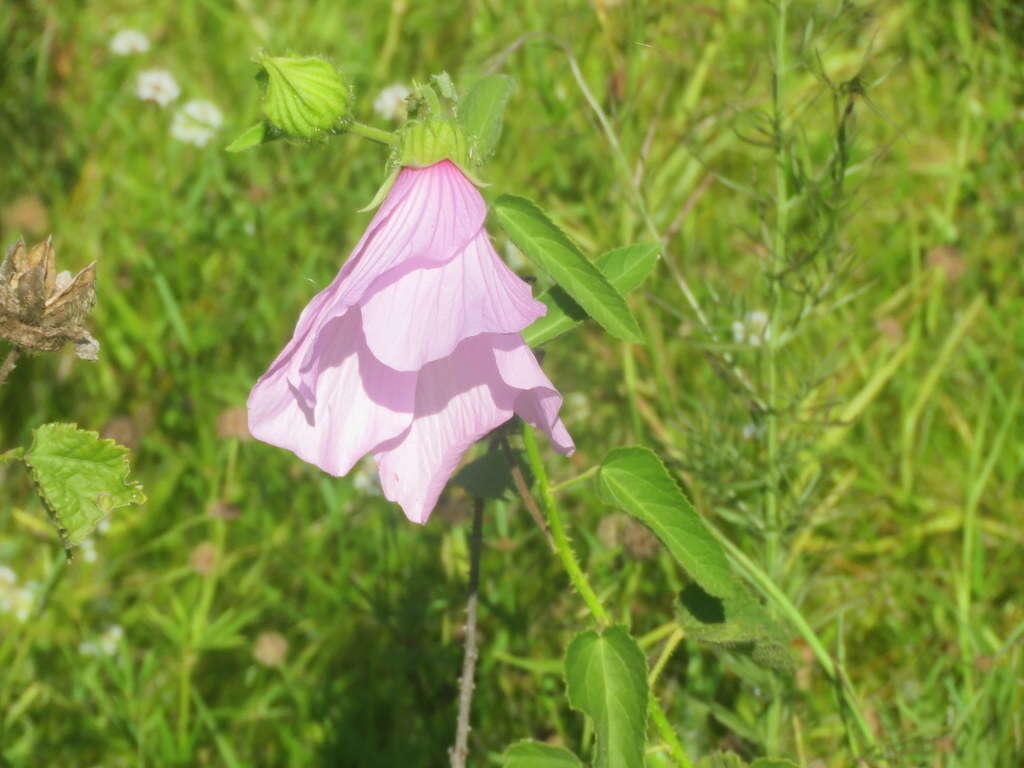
column 258, row 612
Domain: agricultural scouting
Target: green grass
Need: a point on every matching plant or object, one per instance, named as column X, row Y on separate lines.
column 880, row 493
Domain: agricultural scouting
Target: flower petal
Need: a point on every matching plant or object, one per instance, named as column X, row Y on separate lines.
column 428, row 218
column 358, row 403
column 459, row 399
column 537, row 402
column 424, row 314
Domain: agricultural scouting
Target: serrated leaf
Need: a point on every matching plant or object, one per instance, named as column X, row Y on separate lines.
column 636, row 480
column 482, row 112
column 625, row 268
column 606, row 678
column 80, row 478
column 251, row 137
column 549, row 248
column 736, row 622
column 535, row 754
column 305, row 97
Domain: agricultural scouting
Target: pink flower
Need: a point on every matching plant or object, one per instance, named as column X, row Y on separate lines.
column 414, row 352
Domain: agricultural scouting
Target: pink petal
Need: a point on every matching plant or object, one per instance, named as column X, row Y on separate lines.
column 424, row 314
column 430, row 215
column 357, row 403
column 460, row 399
column 537, row 402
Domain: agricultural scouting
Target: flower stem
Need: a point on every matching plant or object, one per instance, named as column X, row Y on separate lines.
column 772, row 517
column 8, row 364
column 373, row 134
column 460, row 751
column 582, row 584
column 558, row 533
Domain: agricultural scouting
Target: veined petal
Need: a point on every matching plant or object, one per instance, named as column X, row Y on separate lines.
column 537, row 402
column 459, row 399
column 426, row 313
column 358, row 403
column 429, row 217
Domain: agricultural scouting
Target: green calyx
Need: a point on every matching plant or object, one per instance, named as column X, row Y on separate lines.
column 306, row 97
column 424, row 143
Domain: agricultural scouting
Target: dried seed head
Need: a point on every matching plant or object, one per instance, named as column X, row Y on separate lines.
column 42, row 309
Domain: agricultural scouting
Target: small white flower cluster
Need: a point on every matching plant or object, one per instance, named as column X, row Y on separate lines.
column 196, row 121
column 752, row 329
column 14, row 599
column 390, row 102
column 128, row 42
column 105, row 645
column 157, row 85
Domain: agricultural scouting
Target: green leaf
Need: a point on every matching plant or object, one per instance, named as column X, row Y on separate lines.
column 722, row 760
column 606, row 678
column 536, row 236
column 251, row 137
column 716, row 609
column 737, row 623
column 306, row 97
column 773, row 762
column 80, row 478
column 534, row 754
column 625, row 268
column 481, row 113
column 636, row 480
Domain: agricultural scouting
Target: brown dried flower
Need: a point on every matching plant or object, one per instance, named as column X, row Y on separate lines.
column 41, row 309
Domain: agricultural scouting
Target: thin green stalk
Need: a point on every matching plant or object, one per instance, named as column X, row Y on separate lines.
column 373, row 134
column 772, row 516
column 666, row 653
column 582, row 584
column 783, row 604
column 965, row 592
column 559, row 487
column 558, row 533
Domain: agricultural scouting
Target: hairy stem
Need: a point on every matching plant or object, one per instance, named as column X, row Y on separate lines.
column 582, row 584
column 373, row 134
column 8, row 365
column 460, row 751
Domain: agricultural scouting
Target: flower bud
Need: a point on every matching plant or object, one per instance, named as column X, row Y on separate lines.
column 429, row 142
column 306, row 97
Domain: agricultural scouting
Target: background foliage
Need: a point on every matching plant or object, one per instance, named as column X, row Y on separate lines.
column 258, row 612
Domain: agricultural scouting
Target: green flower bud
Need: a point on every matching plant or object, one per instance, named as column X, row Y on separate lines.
column 306, row 97
column 429, row 142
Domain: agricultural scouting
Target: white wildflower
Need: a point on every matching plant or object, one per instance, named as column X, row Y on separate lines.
column 88, row 550
column 18, row 600
column 196, row 122
column 106, row 645
column 129, row 41
column 752, row 330
column 390, row 103
column 157, row 85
